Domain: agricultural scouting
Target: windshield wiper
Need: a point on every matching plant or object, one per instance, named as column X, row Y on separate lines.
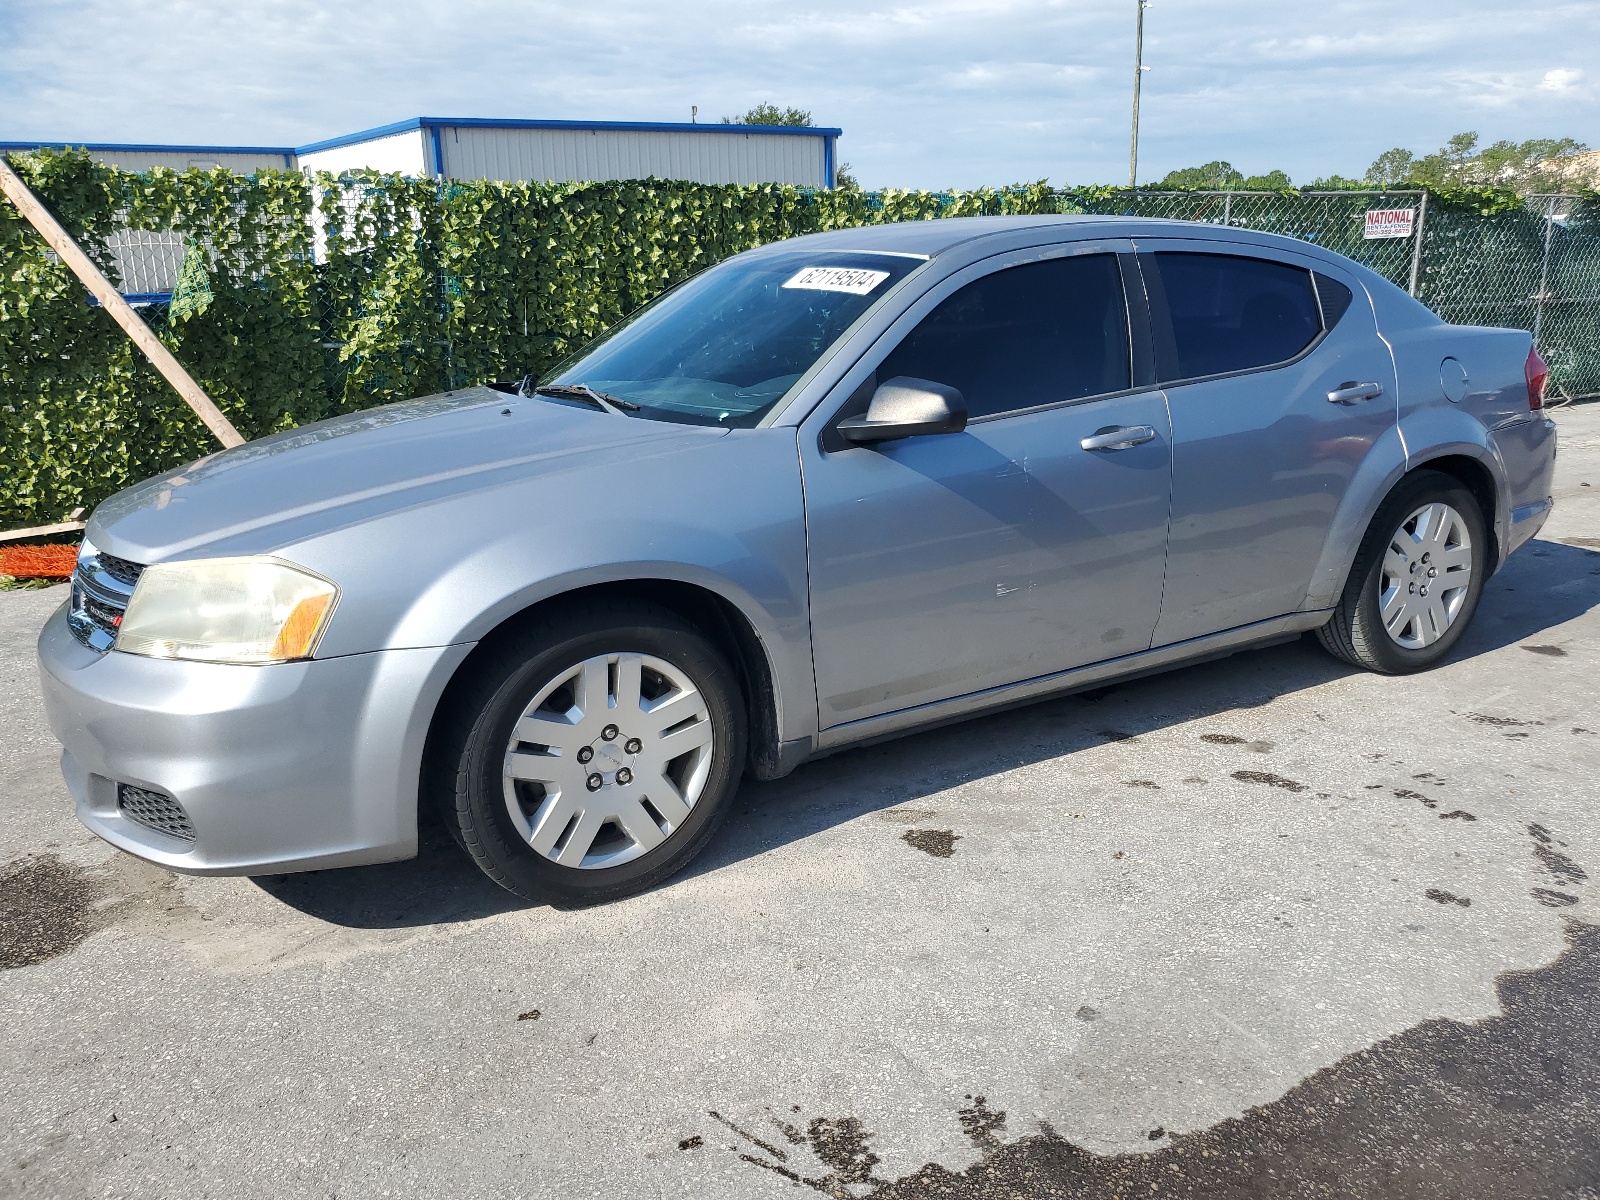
column 582, row 391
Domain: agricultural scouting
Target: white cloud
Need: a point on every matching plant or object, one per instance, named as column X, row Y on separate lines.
column 929, row 92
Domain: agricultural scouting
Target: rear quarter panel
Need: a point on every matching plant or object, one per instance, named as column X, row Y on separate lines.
column 1489, row 422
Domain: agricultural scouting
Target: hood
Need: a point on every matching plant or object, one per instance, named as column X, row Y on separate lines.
column 265, row 494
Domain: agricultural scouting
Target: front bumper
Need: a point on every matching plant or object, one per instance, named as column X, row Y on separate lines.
column 288, row 767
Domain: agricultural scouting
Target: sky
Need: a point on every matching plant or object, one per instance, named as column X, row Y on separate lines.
column 954, row 93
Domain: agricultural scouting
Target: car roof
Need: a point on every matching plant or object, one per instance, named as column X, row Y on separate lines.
column 931, row 238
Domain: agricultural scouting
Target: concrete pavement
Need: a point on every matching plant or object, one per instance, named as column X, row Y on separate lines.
column 1265, row 926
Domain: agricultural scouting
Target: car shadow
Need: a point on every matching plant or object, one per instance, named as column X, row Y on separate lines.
column 1544, row 585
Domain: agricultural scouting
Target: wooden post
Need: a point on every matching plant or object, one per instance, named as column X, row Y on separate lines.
column 121, row 311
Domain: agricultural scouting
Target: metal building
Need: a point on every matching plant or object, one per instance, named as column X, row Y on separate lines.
column 138, row 157
column 513, row 150
column 561, row 151
column 471, row 148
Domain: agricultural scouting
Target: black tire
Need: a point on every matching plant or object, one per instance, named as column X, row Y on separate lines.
column 1355, row 632
column 469, row 747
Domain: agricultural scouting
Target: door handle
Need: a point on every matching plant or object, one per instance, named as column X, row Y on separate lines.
column 1118, row 437
column 1351, row 393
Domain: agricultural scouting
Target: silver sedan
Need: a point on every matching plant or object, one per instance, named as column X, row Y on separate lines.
column 831, row 490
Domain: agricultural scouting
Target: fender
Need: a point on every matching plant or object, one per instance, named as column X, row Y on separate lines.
column 1449, row 432
column 725, row 515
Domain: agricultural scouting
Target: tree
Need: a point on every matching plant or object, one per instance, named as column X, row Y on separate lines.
column 771, row 114
column 1272, row 181
column 844, row 179
column 1213, row 175
column 1391, row 167
column 1536, row 165
column 1225, row 177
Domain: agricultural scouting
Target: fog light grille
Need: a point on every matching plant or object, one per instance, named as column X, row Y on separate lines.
column 154, row 811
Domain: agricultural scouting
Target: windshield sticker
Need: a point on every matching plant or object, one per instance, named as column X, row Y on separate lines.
column 854, row 280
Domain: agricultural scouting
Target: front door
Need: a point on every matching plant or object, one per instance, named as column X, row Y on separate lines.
column 1251, row 345
column 947, row 564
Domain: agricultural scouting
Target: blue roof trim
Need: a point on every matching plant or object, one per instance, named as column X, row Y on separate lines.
column 366, row 135
column 137, row 298
column 382, row 131
column 436, row 123
column 147, row 148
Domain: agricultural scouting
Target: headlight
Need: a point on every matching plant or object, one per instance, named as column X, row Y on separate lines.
column 227, row 610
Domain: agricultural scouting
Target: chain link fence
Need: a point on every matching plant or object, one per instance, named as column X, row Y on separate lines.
column 1536, row 267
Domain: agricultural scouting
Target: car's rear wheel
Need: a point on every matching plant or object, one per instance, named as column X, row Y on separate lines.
column 592, row 754
column 1416, row 579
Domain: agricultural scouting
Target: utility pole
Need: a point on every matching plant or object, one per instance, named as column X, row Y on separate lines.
column 1138, row 78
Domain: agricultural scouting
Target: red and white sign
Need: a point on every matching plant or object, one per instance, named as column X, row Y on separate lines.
column 1389, row 223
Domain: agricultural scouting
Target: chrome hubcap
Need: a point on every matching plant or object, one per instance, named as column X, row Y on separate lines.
column 1426, row 573
column 608, row 760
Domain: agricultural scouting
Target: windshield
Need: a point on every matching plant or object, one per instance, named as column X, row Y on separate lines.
column 724, row 347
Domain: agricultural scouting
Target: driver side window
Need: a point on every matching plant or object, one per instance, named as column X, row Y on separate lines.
column 1025, row 336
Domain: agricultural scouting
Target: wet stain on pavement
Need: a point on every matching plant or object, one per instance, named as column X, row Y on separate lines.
column 1558, row 864
column 982, row 1124
column 46, row 908
column 1549, row 651
column 1499, row 722
column 1143, row 783
column 941, row 843
column 1271, row 780
column 1117, row 735
column 1440, row 896
column 841, row 1144
column 1425, row 1114
column 1553, row 899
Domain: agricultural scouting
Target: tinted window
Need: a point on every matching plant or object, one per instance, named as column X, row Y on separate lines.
column 1231, row 314
column 1025, row 336
column 1335, row 299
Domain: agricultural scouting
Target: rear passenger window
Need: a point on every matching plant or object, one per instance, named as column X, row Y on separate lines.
column 1335, row 298
column 1231, row 313
column 1030, row 335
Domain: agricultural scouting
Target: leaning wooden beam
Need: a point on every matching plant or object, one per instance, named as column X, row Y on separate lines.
column 15, row 535
column 121, row 311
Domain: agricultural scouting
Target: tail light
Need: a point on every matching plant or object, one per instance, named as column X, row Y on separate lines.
column 1537, row 372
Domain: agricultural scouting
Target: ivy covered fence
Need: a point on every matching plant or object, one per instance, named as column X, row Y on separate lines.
column 303, row 298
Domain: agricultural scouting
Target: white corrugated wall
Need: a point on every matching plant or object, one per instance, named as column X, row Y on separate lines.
column 399, row 153
column 561, row 155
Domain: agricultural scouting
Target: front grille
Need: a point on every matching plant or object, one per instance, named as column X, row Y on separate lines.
column 155, row 811
column 119, row 569
column 101, row 588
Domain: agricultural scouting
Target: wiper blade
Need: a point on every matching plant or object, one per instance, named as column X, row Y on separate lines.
column 582, row 391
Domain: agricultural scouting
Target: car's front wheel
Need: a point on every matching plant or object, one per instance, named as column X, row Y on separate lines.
column 591, row 754
column 1416, row 579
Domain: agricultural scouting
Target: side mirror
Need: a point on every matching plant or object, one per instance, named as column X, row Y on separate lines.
column 907, row 407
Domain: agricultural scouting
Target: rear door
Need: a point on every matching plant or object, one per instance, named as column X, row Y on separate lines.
column 1278, row 385
column 947, row 564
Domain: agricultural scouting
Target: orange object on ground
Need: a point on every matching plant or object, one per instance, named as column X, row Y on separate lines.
column 38, row 562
